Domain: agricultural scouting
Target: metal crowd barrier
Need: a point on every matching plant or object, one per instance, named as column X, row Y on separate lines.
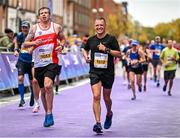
column 73, row 66
column 4, row 49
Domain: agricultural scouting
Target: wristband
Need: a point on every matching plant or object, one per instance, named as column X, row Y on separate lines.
column 16, row 49
column 107, row 50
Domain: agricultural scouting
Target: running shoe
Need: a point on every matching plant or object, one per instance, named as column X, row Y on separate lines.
column 144, row 88
column 169, row 93
column 49, row 121
column 108, row 121
column 140, row 88
column 133, row 98
column 129, row 86
column 158, row 84
column 22, row 102
column 36, row 109
column 97, row 128
column 164, row 88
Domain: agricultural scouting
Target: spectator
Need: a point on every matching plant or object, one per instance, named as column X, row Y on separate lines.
column 84, row 40
column 10, row 35
column 6, row 41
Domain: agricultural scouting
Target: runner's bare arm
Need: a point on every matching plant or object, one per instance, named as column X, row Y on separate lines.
column 86, row 56
column 127, row 56
column 142, row 56
column 162, row 57
column 149, row 54
column 115, row 53
column 16, row 47
column 60, row 37
column 29, row 39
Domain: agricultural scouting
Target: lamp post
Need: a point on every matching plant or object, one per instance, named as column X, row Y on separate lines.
column 125, row 4
column 18, row 6
column 125, row 16
column 97, row 10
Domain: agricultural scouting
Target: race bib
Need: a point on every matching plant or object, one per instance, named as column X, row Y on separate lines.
column 135, row 65
column 100, row 60
column 169, row 60
column 45, row 56
column 158, row 52
column 24, row 50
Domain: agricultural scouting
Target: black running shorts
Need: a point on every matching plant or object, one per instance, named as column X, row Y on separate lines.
column 59, row 68
column 169, row 75
column 24, row 68
column 106, row 79
column 49, row 71
column 145, row 67
column 138, row 70
column 156, row 62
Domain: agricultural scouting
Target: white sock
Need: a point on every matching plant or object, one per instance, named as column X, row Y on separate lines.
column 36, row 102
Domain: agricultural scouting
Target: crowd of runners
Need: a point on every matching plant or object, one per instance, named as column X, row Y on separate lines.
column 138, row 59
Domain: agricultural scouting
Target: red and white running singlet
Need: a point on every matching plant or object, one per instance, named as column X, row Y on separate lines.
column 44, row 54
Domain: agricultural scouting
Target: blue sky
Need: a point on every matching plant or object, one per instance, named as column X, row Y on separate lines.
column 152, row 12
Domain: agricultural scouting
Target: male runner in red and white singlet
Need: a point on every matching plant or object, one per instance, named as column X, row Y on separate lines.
column 45, row 37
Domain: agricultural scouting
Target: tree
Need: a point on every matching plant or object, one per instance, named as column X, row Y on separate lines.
column 115, row 25
column 175, row 29
column 162, row 29
column 169, row 30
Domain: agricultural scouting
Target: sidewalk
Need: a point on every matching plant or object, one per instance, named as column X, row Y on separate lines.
column 153, row 114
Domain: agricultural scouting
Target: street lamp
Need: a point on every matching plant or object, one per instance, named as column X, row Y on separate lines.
column 101, row 10
column 97, row 11
column 125, row 15
column 94, row 10
column 125, row 10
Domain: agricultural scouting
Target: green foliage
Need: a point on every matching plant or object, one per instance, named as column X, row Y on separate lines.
column 115, row 26
column 175, row 26
column 118, row 25
column 169, row 30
